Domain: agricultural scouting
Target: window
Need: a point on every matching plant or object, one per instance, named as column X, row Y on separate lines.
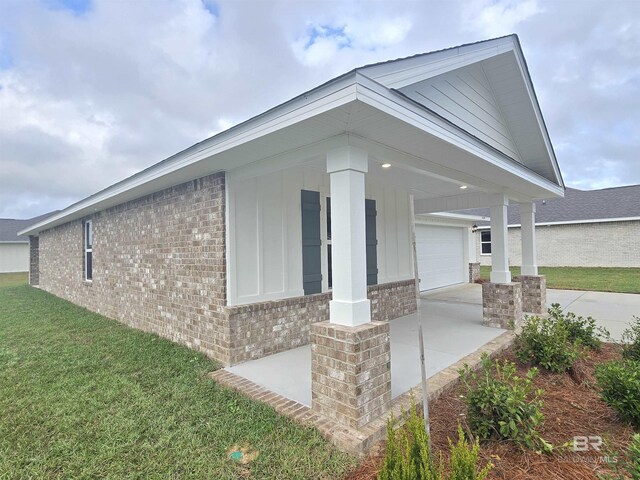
column 88, row 250
column 485, row 242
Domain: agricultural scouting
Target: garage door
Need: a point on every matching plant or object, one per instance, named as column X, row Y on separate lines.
column 440, row 253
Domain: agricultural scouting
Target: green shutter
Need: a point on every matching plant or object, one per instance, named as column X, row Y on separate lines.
column 311, row 243
column 372, row 242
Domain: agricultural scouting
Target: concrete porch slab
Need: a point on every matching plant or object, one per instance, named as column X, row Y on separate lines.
column 451, row 331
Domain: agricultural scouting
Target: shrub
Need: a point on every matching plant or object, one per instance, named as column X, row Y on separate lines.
column 408, row 456
column 465, row 459
column 619, row 384
column 501, row 404
column 629, row 466
column 631, row 341
column 546, row 342
column 579, row 329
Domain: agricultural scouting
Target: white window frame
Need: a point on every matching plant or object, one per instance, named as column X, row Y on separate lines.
column 484, row 242
column 88, row 249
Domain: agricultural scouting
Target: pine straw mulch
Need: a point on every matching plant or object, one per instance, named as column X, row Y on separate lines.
column 571, row 407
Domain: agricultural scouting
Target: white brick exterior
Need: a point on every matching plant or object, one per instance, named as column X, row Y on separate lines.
column 607, row 244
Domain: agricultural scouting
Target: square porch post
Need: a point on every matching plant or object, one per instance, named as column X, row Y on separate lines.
column 534, row 286
column 501, row 298
column 350, row 354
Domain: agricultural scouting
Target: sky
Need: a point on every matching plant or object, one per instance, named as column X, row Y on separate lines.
column 92, row 91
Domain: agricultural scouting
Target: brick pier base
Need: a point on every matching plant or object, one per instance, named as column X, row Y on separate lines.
column 534, row 293
column 474, row 272
column 502, row 304
column 350, row 372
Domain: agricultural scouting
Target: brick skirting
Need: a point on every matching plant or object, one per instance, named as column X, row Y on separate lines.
column 265, row 328
column 359, row 441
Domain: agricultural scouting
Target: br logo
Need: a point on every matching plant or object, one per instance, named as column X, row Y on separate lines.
column 583, row 444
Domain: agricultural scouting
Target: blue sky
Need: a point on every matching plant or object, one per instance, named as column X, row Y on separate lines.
column 92, row 91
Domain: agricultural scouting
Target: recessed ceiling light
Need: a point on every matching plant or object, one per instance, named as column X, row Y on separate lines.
column 386, row 165
column 462, row 187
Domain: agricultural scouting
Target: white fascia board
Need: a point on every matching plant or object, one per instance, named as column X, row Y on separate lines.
column 378, row 96
column 400, row 73
column 572, row 222
column 533, row 98
column 14, row 242
column 326, row 97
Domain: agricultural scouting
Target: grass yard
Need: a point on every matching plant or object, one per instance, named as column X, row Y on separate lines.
column 82, row 396
column 621, row 280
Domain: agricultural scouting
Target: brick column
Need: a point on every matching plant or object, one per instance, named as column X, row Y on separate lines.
column 34, row 260
column 502, row 304
column 534, row 293
column 350, row 372
column 474, row 272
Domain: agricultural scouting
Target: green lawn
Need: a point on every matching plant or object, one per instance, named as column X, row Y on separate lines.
column 622, row 280
column 82, row 396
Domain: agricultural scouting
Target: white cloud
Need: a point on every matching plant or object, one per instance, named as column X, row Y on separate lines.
column 86, row 100
column 497, row 18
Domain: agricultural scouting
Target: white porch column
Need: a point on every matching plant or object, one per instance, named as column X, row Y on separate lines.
column 528, row 234
column 499, row 241
column 347, row 167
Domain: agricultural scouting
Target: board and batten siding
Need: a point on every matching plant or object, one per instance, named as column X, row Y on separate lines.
column 464, row 97
column 264, row 245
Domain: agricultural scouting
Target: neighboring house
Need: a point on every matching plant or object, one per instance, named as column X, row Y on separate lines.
column 295, row 226
column 586, row 228
column 14, row 248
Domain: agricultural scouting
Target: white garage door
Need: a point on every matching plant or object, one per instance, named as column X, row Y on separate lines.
column 440, row 253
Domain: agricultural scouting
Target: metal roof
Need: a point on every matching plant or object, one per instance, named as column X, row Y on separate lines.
column 579, row 205
column 9, row 228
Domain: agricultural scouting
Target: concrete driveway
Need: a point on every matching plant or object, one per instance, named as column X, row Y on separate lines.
column 613, row 311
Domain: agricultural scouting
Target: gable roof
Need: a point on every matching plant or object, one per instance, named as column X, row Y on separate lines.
column 278, row 130
column 9, row 228
column 483, row 87
column 579, row 206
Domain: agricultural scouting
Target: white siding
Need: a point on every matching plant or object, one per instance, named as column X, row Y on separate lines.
column 465, row 97
column 265, row 233
column 14, row 257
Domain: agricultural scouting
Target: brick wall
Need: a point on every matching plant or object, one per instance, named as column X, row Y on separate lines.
column 34, row 260
column 158, row 264
column 608, row 244
column 266, row 328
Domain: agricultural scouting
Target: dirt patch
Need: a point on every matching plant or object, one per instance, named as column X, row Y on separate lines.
column 571, row 407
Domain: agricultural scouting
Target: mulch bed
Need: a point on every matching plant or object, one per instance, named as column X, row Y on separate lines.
column 571, row 407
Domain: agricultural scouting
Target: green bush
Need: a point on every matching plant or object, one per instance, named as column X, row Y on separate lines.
column 619, row 384
column 547, row 343
column 627, row 467
column 580, row 330
column 465, row 459
column 408, row 456
column 631, row 341
column 501, row 404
